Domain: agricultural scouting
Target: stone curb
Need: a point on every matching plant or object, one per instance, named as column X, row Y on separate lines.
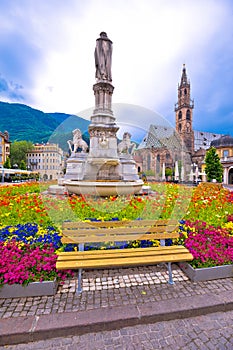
column 17, row 330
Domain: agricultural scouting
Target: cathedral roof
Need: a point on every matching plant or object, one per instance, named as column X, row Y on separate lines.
column 203, row 139
column 160, row 137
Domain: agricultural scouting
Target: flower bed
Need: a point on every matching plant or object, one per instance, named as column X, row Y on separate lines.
column 206, row 273
column 30, row 221
column 33, row 289
column 210, row 246
column 25, row 263
column 22, row 204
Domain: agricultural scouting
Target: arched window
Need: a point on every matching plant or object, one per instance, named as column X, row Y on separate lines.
column 158, row 157
column 148, row 162
column 180, row 127
column 180, row 115
column 188, row 114
column 185, row 91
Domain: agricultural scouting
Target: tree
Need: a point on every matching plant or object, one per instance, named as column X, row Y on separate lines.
column 7, row 163
column 18, row 151
column 168, row 173
column 213, row 169
column 22, row 165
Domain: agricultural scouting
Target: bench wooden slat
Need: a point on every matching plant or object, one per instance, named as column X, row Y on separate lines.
column 130, row 223
column 118, row 230
column 106, row 253
column 89, row 238
column 122, row 261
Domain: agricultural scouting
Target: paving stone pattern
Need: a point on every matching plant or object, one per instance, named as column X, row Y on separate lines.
column 209, row 332
column 108, row 288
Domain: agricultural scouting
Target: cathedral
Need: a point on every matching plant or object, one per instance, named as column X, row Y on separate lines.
column 178, row 153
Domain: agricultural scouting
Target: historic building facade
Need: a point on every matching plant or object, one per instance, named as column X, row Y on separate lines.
column 224, row 149
column 4, row 147
column 165, row 146
column 47, row 160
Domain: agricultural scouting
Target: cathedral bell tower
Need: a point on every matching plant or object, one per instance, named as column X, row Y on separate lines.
column 184, row 113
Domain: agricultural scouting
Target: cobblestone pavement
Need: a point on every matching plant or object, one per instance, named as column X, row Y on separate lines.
column 210, row 332
column 109, row 288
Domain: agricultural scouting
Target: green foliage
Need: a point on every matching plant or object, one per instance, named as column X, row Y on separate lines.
column 213, row 169
column 18, row 152
column 149, row 172
column 168, row 172
column 7, row 164
column 22, row 165
column 26, row 123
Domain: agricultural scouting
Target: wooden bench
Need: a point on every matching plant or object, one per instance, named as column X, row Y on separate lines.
column 120, row 231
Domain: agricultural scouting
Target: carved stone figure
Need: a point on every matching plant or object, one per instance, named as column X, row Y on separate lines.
column 126, row 146
column 103, row 58
column 77, row 142
column 103, row 140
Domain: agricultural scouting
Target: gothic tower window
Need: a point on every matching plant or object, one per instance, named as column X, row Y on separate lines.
column 185, row 91
column 180, row 127
column 180, row 115
column 188, row 114
column 148, row 162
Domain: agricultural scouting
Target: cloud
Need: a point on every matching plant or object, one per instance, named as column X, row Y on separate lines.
column 10, row 90
column 48, row 47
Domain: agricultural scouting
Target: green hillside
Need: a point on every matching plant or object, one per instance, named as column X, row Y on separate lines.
column 26, row 123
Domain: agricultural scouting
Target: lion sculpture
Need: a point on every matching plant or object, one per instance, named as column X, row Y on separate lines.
column 77, row 143
column 126, row 146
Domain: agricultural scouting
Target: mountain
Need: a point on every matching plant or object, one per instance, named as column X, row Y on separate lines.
column 26, row 123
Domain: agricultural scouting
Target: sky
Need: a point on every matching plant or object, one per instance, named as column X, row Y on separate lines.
column 47, row 55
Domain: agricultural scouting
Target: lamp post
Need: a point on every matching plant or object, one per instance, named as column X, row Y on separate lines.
column 2, row 175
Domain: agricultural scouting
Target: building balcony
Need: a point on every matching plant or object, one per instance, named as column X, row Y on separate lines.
column 226, row 159
column 184, row 105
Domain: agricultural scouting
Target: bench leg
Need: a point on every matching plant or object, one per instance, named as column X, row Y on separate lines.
column 170, row 280
column 79, row 289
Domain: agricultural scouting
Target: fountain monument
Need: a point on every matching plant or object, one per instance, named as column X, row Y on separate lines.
column 106, row 168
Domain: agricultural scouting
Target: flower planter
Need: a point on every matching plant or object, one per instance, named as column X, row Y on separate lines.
column 207, row 273
column 33, row 289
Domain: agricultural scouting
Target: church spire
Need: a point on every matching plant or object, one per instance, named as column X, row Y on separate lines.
column 184, row 80
column 184, row 112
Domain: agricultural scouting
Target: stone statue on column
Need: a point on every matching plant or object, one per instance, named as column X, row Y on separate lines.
column 103, row 58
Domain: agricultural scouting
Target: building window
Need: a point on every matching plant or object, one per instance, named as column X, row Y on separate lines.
column 188, row 114
column 180, row 115
column 225, row 153
column 148, row 162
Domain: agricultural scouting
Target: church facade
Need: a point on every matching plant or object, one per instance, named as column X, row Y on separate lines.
column 164, row 147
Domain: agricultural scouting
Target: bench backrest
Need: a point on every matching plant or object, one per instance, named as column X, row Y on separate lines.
column 118, row 231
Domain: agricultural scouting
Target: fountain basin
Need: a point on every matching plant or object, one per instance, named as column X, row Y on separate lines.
column 104, row 188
